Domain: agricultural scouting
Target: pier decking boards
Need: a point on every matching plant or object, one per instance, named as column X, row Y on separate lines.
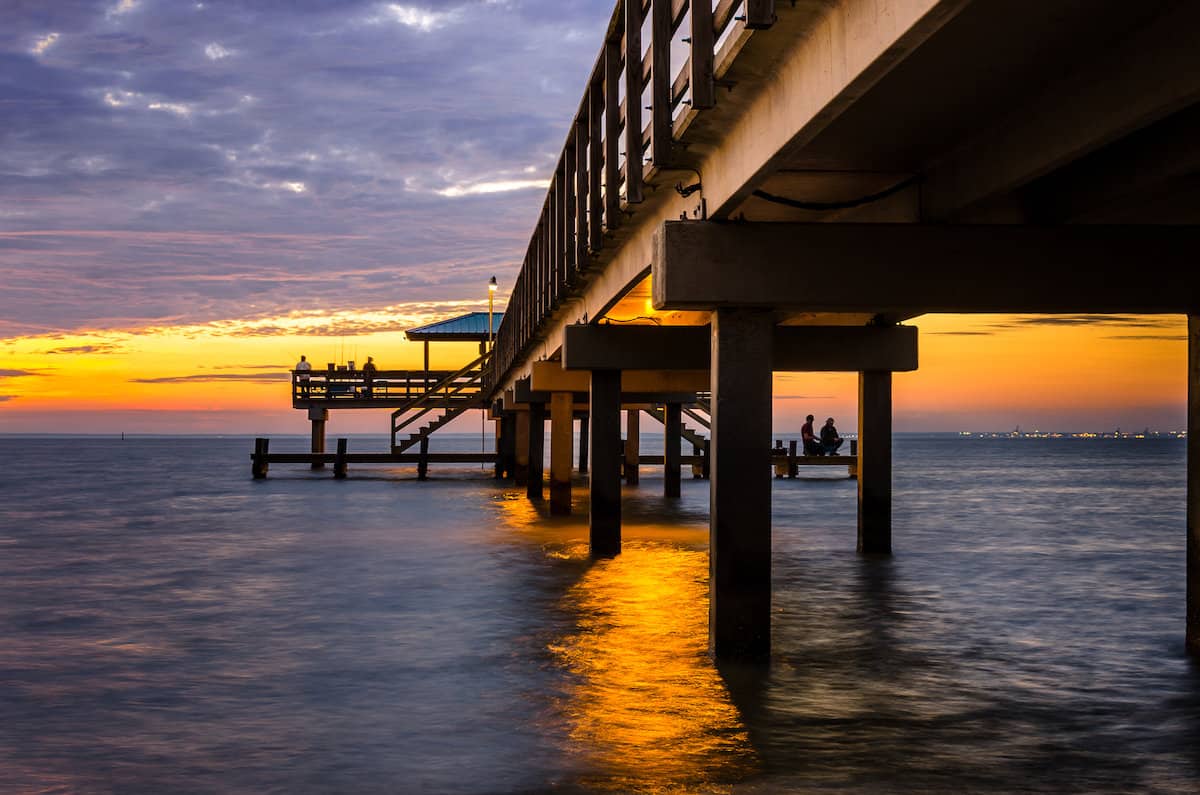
column 759, row 221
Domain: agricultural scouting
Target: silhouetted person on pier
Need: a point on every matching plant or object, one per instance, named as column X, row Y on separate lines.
column 368, row 372
column 830, row 441
column 303, row 372
column 809, row 439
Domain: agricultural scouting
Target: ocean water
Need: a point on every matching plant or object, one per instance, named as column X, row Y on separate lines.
column 167, row 624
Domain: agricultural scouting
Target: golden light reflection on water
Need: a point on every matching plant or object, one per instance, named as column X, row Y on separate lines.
column 647, row 706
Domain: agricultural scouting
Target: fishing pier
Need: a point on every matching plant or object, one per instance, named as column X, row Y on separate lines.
column 757, row 186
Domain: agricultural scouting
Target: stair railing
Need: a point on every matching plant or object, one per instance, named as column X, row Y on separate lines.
column 444, row 386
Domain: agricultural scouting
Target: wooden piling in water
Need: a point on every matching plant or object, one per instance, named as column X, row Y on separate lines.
column 258, row 462
column 339, row 462
column 318, row 417
column 423, row 463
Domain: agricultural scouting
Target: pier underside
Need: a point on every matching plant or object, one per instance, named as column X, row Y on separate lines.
column 814, row 177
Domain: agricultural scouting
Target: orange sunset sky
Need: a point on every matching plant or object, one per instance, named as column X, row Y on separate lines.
column 984, row 372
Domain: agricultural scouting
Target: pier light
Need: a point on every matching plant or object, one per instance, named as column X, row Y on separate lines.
column 491, row 301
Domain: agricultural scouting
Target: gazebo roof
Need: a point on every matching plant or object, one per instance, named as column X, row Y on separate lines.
column 471, row 327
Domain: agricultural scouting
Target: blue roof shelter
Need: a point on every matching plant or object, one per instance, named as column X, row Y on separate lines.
column 471, row 327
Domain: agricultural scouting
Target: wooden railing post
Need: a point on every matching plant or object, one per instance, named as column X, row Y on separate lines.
column 595, row 161
column 612, row 126
column 581, row 193
column 633, row 101
column 660, row 82
column 568, row 211
column 701, row 77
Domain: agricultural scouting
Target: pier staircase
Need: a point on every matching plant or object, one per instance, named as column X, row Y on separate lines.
column 699, row 413
column 445, row 400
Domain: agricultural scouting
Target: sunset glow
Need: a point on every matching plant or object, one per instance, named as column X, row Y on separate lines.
column 986, row 372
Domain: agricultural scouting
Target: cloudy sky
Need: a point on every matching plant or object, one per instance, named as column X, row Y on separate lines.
column 166, row 161
column 192, row 194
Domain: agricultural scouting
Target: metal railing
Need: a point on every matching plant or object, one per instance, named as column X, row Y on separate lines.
column 595, row 182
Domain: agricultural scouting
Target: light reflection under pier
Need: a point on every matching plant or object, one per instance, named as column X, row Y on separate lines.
column 646, row 704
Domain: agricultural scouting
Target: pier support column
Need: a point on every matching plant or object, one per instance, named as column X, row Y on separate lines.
column 521, row 449
column 605, row 480
column 537, row 450
column 672, row 431
column 318, row 418
column 740, row 494
column 584, row 425
column 633, row 444
column 875, row 462
column 1193, row 486
column 498, row 445
column 508, row 444
column 562, row 443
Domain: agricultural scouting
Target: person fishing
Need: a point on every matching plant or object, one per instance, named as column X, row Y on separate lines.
column 830, row 440
column 303, row 374
column 368, row 372
column 811, row 445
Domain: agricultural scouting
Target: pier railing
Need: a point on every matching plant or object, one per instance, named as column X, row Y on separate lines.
column 351, row 385
column 609, row 154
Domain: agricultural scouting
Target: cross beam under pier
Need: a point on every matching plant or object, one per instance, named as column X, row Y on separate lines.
column 908, row 269
column 793, row 348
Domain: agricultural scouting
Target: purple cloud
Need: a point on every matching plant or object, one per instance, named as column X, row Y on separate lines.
column 216, row 160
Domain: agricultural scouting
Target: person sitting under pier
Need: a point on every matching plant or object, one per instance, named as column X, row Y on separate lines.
column 811, row 445
column 830, row 440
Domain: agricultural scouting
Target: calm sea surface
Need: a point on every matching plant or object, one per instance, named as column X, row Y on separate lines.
column 169, row 625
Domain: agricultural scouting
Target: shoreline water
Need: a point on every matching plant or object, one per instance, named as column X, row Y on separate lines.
column 173, row 625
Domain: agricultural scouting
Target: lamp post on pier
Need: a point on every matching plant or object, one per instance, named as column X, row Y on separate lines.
column 491, row 302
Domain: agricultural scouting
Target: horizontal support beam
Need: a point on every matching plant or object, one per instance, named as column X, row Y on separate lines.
column 635, row 347
column 550, row 377
column 917, row 268
column 846, row 349
column 523, row 395
column 795, row 348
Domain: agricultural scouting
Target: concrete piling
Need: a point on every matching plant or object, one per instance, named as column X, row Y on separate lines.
column 740, row 493
column 562, row 446
column 605, row 478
